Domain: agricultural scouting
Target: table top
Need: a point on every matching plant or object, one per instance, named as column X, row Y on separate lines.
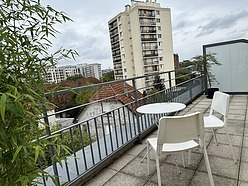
column 161, row 108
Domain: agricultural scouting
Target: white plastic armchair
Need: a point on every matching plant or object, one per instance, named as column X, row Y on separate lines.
column 178, row 134
column 219, row 105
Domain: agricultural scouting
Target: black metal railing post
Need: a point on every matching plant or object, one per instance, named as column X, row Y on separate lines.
column 51, row 149
column 136, row 106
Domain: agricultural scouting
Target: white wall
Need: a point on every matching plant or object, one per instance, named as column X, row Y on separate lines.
column 232, row 75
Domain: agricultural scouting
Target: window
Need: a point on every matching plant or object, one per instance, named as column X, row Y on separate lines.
column 119, row 18
column 159, row 27
column 159, row 36
column 160, row 58
column 125, row 70
column 159, row 43
column 162, row 66
column 120, row 34
column 157, row 12
column 120, row 26
column 158, row 20
column 160, row 51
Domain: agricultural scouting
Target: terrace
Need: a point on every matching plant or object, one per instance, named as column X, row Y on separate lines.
column 128, row 169
column 117, row 137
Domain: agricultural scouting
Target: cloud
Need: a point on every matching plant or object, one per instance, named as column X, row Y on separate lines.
column 221, row 23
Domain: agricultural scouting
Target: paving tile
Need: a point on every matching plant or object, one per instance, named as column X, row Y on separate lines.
column 195, row 160
column 136, row 149
column 244, row 154
column 241, row 183
column 223, row 151
column 170, row 176
column 244, row 172
column 223, row 139
column 101, row 178
column 121, row 162
column 122, row 179
column 221, row 167
column 201, row 179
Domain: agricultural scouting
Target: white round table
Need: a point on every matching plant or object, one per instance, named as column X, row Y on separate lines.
column 161, row 108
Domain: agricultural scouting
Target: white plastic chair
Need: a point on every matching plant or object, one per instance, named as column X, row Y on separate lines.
column 178, row 134
column 220, row 104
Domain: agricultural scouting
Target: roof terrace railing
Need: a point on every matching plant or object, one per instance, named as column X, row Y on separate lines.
column 108, row 125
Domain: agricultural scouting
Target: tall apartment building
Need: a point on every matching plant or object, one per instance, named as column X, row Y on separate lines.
column 58, row 74
column 141, row 41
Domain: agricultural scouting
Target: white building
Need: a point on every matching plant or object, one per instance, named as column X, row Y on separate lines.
column 232, row 75
column 141, row 41
column 58, row 74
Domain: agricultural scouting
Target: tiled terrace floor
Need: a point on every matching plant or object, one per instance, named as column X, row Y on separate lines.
column 129, row 171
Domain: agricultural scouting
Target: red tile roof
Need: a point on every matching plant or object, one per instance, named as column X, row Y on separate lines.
column 122, row 92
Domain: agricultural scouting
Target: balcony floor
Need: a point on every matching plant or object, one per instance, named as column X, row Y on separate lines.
column 128, row 169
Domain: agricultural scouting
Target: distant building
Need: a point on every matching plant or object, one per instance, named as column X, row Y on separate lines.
column 58, row 74
column 141, row 41
column 176, row 61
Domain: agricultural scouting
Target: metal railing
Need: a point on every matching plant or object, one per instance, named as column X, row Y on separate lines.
column 108, row 125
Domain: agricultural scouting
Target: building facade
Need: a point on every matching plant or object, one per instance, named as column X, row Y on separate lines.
column 141, row 41
column 58, row 74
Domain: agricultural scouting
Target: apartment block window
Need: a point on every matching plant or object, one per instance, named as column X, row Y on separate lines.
column 159, row 43
column 125, row 70
column 119, row 18
column 160, row 58
column 123, row 56
column 160, row 51
column 159, row 27
column 120, row 26
column 158, row 20
column 157, row 12
column 159, row 36
column 121, row 34
column 162, row 66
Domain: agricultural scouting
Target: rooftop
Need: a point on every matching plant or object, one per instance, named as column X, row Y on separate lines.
column 128, row 169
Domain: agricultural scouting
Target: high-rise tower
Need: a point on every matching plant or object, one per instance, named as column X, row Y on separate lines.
column 141, row 41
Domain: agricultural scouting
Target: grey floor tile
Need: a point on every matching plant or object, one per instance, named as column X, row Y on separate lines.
column 101, row 178
column 244, row 172
column 170, row 175
column 201, row 179
column 122, row 179
column 221, row 167
column 121, row 162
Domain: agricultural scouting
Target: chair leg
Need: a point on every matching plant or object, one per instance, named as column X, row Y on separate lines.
column 215, row 138
column 230, row 144
column 210, row 177
column 179, row 172
column 148, row 158
column 158, row 170
column 189, row 157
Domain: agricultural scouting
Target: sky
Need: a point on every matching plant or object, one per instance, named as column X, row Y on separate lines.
column 194, row 23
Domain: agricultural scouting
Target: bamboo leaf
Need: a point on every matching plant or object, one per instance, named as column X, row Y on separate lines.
column 16, row 153
column 3, row 106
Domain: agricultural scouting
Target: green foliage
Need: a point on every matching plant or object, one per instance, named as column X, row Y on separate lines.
column 25, row 29
column 109, row 76
column 158, row 84
column 182, row 76
column 83, row 96
column 75, row 77
column 203, row 63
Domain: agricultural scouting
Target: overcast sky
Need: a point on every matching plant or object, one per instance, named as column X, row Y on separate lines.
column 194, row 23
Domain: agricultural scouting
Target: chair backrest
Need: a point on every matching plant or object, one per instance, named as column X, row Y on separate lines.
column 176, row 129
column 220, row 103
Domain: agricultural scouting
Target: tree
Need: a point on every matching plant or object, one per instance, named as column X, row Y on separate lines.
column 109, row 76
column 25, row 29
column 158, row 84
column 203, row 63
